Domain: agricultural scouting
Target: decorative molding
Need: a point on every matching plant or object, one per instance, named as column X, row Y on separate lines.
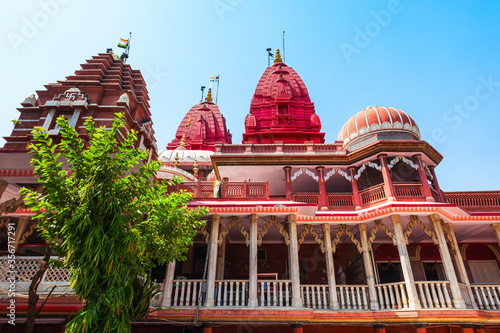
column 426, row 168
column 363, row 167
column 273, row 220
column 336, row 240
column 373, row 233
column 340, row 172
column 28, row 231
column 448, row 232
column 463, row 251
column 388, row 231
column 223, row 233
column 417, row 253
column 307, row 171
column 402, row 159
column 243, row 232
column 409, row 229
column 429, row 232
column 495, row 252
column 178, row 172
column 309, row 229
column 205, row 232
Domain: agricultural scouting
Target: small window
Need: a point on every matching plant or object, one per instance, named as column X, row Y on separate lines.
column 261, row 255
column 433, row 271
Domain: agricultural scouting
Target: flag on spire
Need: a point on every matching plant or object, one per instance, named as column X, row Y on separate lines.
column 123, row 43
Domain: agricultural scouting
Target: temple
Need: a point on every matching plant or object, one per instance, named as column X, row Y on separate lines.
column 353, row 235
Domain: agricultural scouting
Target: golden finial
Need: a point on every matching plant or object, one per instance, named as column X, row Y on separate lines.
column 195, row 169
column 176, row 159
column 277, row 59
column 209, row 95
column 183, row 142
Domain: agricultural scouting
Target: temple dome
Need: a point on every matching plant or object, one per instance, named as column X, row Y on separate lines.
column 377, row 120
column 202, row 127
column 281, row 109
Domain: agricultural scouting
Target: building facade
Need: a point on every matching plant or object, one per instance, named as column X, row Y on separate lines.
column 354, row 235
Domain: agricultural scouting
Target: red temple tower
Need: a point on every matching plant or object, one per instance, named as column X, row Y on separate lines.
column 281, row 109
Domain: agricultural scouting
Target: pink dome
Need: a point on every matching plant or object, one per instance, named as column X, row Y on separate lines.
column 377, row 119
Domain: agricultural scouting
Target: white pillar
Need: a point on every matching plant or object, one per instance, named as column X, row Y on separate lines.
column 221, row 260
column 167, row 285
column 293, row 257
column 330, row 268
column 460, row 264
column 253, row 301
column 367, row 261
column 413, row 301
column 458, row 301
column 212, row 261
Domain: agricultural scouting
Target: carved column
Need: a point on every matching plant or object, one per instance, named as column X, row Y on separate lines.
column 356, row 200
column 367, row 261
column 212, row 261
column 496, row 228
column 288, row 181
column 252, row 264
column 323, row 199
column 426, row 189
column 293, row 257
column 389, row 189
column 435, row 184
column 460, row 262
column 330, row 268
column 168, row 283
column 458, row 301
column 413, row 301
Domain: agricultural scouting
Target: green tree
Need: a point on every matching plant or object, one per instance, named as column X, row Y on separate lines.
column 108, row 217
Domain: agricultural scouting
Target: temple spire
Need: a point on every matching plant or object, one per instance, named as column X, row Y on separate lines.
column 209, row 95
column 277, row 59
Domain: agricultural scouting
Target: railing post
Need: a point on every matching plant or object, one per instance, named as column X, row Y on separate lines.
column 212, row 261
column 323, row 200
column 458, row 301
column 356, row 200
column 252, row 265
column 413, row 301
column 367, row 261
column 330, row 268
column 293, row 257
column 244, row 189
column 167, row 287
column 426, row 189
column 288, row 181
column 267, row 189
column 197, row 191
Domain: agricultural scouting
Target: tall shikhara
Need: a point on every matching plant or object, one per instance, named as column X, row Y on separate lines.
column 102, row 87
column 281, row 109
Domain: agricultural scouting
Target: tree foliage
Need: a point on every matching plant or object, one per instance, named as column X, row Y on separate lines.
column 108, row 217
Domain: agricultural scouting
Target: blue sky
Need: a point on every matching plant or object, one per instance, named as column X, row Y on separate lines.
column 439, row 61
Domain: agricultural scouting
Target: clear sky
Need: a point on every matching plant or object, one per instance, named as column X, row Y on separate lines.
column 439, row 61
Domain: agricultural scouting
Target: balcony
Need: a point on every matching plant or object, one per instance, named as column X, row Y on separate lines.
column 228, row 190
column 475, row 201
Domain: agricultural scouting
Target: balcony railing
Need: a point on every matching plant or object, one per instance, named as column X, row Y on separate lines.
column 340, row 200
column 372, row 194
column 434, row 294
column 487, row 296
column 407, row 190
column 229, row 190
column 486, row 199
column 392, row 296
column 311, row 198
column 352, row 297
